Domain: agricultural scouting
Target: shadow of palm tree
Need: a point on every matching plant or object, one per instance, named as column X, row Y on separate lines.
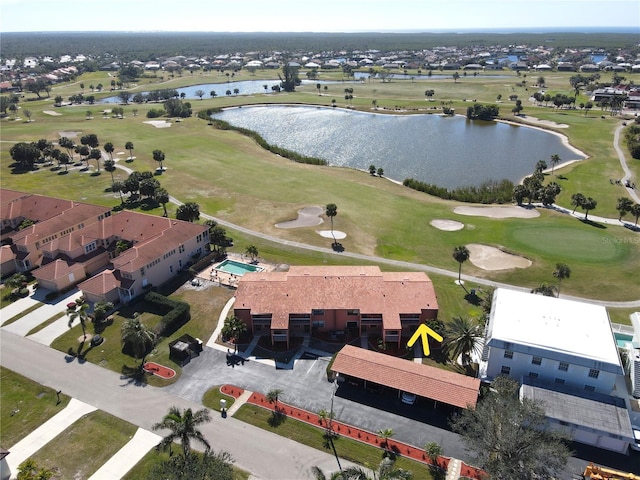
column 277, row 418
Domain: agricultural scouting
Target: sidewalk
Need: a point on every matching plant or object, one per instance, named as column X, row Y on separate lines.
column 127, row 457
column 18, row 307
column 46, row 432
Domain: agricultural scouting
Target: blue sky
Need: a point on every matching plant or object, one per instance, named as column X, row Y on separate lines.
column 312, row 15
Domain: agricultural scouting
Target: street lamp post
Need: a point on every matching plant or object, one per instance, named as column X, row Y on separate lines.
column 338, row 380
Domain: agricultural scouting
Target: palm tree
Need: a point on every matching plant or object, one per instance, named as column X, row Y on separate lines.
column 460, row 254
column 555, row 159
column 252, row 251
column 189, row 212
column 433, row 451
column 546, row 290
column 118, row 186
column 129, row 146
column 386, row 471
column 81, row 314
column 138, row 336
column 110, row 166
column 108, row 147
column 332, row 211
column 561, row 272
column 272, row 396
column 577, row 200
column 635, row 211
column 183, row 427
column 158, row 156
column 318, row 474
column 624, row 205
column 588, row 205
column 462, row 337
column 234, row 327
column 162, row 196
column 385, row 434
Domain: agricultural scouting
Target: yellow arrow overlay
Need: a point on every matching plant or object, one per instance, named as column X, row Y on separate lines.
column 422, row 333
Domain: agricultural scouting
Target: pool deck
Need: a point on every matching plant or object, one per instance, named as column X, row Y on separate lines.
column 229, row 279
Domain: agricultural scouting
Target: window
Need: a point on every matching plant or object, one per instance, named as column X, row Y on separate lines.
column 181, row 249
column 560, row 381
column 353, row 312
column 171, row 268
column 533, row 374
column 505, row 370
column 594, row 373
column 589, row 388
column 536, row 360
column 508, row 354
column 317, row 311
column 564, row 366
column 318, row 324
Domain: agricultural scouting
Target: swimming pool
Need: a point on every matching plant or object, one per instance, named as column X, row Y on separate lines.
column 622, row 339
column 237, row 268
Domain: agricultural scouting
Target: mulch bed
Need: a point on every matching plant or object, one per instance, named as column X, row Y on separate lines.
column 399, row 448
column 159, row 370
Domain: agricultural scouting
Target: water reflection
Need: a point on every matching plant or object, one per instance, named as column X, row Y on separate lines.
column 446, row 151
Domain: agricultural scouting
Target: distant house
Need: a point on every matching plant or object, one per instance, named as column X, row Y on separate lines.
column 564, row 354
column 472, row 66
column 565, row 67
column 340, row 301
column 589, row 67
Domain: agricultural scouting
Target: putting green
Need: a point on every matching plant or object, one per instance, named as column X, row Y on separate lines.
column 570, row 243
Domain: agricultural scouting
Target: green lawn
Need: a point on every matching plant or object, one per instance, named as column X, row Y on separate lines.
column 346, row 448
column 212, row 397
column 87, row 444
column 234, row 179
column 24, row 406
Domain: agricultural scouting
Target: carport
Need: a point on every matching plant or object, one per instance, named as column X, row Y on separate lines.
column 407, row 376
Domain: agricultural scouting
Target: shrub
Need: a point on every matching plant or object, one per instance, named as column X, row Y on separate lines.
column 177, row 313
column 155, row 113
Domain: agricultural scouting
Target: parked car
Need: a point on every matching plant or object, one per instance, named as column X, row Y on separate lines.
column 408, row 398
column 636, row 434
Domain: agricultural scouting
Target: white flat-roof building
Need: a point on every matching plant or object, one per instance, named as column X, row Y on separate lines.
column 564, row 354
column 556, row 340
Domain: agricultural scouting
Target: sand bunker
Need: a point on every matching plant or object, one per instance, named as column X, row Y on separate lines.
column 547, row 123
column 307, row 217
column 158, row 123
column 498, row 212
column 491, row 258
column 337, row 234
column 69, row 134
column 52, row 113
column 446, row 225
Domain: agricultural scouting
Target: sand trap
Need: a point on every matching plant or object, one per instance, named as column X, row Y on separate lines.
column 307, row 217
column 498, row 212
column 491, row 258
column 336, row 233
column 52, row 113
column 158, row 123
column 446, row 225
column 537, row 121
column 69, row 134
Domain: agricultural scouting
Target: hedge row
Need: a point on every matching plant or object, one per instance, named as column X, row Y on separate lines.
column 177, row 313
column 490, row 191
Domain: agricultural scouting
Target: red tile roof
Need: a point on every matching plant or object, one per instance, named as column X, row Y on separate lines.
column 58, row 269
column 101, row 283
column 34, row 207
column 430, row 382
column 302, row 289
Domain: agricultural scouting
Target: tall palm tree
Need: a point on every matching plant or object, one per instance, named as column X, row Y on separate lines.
column 138, row 336
column 183, row 427
column 623, row 206
column 386, row 471
column 109, row 148
column 577, row 200
column 635, row 211
column 555, row 159
column 462, row 337
column 80, row 313
column 162, row 196
column 332, row 211
column 110, row 166
column 588, row 205
column 561, row 272
column 252, row 251
column 129, row 146
column 460, row 254
column 234, row 327
column 158, row 156
column 118, row 186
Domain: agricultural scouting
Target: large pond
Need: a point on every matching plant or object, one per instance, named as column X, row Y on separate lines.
column 446, row 151
column 245, row 87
